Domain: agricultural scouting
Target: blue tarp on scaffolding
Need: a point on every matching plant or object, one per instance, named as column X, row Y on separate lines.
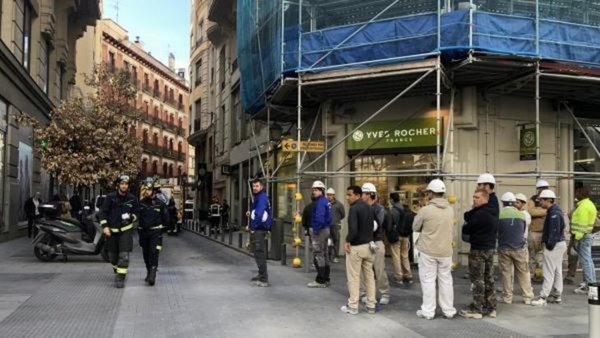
column 397, row 39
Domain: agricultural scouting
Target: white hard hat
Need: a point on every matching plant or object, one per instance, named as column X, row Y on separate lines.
column 486, row 178
column 436, row 186
column 541, row 184
column 330, row 191
column 318, row 184
column 508, row 197
column 521, row 197
column 369, row 187
column 547, row 194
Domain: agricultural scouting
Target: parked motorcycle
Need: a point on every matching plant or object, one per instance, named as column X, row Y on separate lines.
column 68, row 236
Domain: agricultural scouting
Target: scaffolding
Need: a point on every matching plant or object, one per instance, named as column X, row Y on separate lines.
column 335, row 50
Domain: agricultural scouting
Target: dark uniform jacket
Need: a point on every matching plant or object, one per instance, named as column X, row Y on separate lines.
column 153, row 215
column 115, row 206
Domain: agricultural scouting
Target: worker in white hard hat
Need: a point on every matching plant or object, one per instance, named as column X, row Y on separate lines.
column 512, row 251
column 337, row 215
column 553, row 240
column 521, row 204
column 319, row 235
column 534, row 239
column 369, row 195
column 435, row 225
column 488, row 182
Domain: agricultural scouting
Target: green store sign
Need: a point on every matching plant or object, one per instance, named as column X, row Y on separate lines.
column 527, row 145
column 412, row 133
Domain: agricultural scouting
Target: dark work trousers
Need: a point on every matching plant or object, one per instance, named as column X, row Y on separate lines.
column 320, row 259
column 151, row 243
column 31, row 229
column 120, row 245
column 260, row 254
column 335, row 238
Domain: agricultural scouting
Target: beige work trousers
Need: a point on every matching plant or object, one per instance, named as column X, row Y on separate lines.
column 400, row 261
column 519, row 260
column 359, row 262
column 381, row 278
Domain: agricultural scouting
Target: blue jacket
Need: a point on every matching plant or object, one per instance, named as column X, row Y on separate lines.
column 554, row 227
column 321, row 215
column 261, row 216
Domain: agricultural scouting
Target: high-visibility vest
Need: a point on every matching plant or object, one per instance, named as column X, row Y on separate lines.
column 583, row 219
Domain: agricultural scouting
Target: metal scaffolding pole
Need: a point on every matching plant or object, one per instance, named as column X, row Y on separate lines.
column 262, row 167
column 582, row 129
column 389, row 103
column 438, row 117
column 537, row 117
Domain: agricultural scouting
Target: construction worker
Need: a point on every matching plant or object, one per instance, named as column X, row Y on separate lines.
column 117, row 215
column 521, row 204
column 488, row 182
column 337, row 215
column 582, row 224
column 359, row 257
column 369, row 195
column 512, row 250
column 154, row 220
column 534, row 239
column 481, row 228
column 260, row 224
column 319, row 234
column 553, row 240
column 435, row 225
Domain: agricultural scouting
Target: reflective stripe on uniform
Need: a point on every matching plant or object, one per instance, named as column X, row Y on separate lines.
column 122, row 271
column 160, row 226
column 159, row 247
column 103, row 221
column 125, row 228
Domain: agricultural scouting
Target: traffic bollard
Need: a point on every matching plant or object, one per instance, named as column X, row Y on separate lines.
column 594, row 308
column 240, row 240
column 230, row 242
column 222, row 235
column 283, row 254
column 207, row 230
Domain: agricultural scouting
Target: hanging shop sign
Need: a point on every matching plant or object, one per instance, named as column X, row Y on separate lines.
column 527, row 144
column 309, row 147
column 411, row 133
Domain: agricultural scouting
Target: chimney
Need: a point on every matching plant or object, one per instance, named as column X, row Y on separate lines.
column 138, row 42
column 181, row 73
column 172, row 62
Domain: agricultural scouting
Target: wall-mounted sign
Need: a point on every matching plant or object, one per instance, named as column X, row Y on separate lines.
column 226, row 170
column 412, row 133
column 527, row 144
column 309, row 147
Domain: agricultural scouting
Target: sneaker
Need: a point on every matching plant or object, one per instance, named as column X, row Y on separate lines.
column 492, row 314
column 385, row 300
column 503, row 301
column 255, row 278
column 539, row 302
column 470, row 314
column 349, row 310
column 335, row 260
column 261, row 284
column 527, row 301
column 449, row 316
column 371, row 310
column 582, row 289
column 421, row 315
column 315, row 284
column 554, row 299
column 408, row 281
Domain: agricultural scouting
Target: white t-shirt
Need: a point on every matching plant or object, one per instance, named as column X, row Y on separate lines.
column 37, row 204
column 527, row 221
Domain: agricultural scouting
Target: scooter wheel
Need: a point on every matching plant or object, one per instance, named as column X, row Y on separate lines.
column 43, row 256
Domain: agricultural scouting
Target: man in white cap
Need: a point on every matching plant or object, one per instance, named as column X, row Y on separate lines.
column 337, row 215
column 534, row 239
column 488, row 183
column 319, row 234
column 521, row 204
column 512, row 251
column 553, row 240
column 435, row 224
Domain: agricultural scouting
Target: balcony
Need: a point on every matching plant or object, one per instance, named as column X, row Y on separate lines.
column 146, row 88
column 181, row 157
column 156, row 93
column 151, row 148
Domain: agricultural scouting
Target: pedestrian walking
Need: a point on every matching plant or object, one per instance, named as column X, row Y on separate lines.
column 513, row 257
column 119, row 211
column 154, row 220
column 319, row 235
column 32, row 212
column 359, row 257
column 553, row 240
column 369, row 195
column 338, row 213
column 398, row 236
column 76, row 206
column 435, row 225
column 534, row 239
column 582, row 225
column 260, row 224
column 481, row 227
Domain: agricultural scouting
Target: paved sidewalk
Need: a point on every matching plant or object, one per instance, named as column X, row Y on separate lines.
column 203, row 291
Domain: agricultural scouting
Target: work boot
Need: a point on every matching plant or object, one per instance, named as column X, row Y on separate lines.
column 120, row 281
column 255, row 278
column 147, row 274
column 152, row 276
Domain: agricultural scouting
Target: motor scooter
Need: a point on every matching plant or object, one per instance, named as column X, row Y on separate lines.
column 67, row 236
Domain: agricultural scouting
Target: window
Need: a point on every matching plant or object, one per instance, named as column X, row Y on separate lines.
column 134, row 74
column 197, row 115
column 222, row 63
column 22, row 32
column 236, row 117
column 165, row 142
column 146, row 82
column 45, row 64
column 111, row 62
column 126, row 66
column 222, row 128
column 198, row 73
column 145, row 136
column 60, row 77
column 145, row 166
column 200, row 33
column 154, row 167
column 164, row 170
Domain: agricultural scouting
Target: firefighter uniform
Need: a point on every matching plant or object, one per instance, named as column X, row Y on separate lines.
column 154, row 220
column 118, row 213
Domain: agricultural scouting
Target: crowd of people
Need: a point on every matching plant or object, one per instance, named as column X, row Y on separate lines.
column 527, row 235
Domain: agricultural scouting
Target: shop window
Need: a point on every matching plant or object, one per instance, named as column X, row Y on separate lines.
column 45, row 64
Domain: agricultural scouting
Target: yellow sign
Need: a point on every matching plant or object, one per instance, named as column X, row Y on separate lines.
column 310, row 147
